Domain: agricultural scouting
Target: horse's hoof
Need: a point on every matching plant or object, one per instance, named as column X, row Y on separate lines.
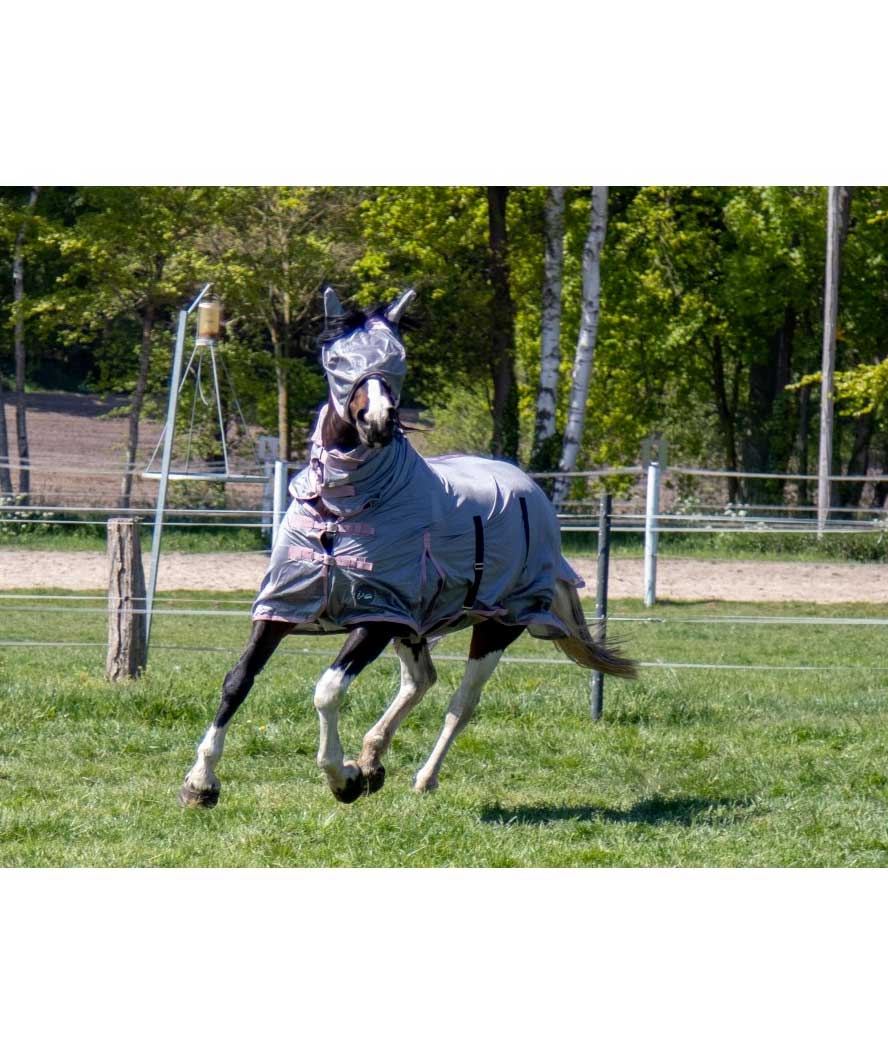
column 190, row 797
column 375, row 779
column 353, row 789
column 424, row 785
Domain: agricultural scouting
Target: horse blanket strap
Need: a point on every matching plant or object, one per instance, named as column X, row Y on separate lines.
column 321, row 526
column 310, row 555
column 472, row 594
column 525, row 522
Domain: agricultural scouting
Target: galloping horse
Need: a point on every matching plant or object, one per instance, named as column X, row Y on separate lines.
column 392, row 548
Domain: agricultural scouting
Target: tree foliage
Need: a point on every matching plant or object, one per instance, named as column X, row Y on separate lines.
column 709, row 329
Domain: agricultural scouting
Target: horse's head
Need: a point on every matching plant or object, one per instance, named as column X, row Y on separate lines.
column 365, row 363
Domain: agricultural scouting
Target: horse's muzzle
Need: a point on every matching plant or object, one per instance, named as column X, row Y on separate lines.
column 375, row 434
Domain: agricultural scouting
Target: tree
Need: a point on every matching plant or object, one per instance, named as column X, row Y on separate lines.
column 706, row 316
column 18, row 281
column 273, row 248
column 132, row 257
column 544, row 433
column 505, row 393
column 585, row 353
column 474, row 255
column 861, row 377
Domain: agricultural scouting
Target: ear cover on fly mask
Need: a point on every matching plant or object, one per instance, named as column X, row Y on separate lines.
column 373, row 350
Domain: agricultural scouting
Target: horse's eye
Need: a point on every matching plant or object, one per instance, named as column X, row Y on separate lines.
column 362, row 415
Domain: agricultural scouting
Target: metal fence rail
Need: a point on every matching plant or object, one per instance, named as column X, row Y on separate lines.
column 293, row 652
column 773, row 520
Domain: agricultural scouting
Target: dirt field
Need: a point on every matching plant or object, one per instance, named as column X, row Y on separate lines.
column 679, row 579
column 77, row 453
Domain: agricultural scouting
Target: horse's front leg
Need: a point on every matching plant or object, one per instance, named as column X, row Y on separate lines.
column 417, row 676
column 489, row 640
column 201, row 786
column 363, row 645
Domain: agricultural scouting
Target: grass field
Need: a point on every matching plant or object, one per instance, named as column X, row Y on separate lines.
column 688, row 768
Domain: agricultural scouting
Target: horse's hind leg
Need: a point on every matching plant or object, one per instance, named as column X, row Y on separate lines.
column 417, row 676
column 201, row 786
column 489, row 640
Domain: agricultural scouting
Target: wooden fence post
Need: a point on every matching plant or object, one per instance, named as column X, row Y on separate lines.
column 126, row 601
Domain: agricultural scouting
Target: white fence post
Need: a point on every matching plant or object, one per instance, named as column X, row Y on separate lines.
column 652, row 511
column 280, row 499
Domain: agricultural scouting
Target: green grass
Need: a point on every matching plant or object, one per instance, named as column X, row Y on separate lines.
column 688, row 767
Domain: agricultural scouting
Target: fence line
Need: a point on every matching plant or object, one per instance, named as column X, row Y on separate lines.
column 506, row 659
column 54, row 467
column 128, row 511
column 724, row 474
column 103, row 522
column 635, row 525
column 245, row 606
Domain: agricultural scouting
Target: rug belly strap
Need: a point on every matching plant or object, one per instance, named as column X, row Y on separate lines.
column 472, row 594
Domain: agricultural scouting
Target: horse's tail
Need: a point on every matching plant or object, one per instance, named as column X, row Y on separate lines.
column 579, row 646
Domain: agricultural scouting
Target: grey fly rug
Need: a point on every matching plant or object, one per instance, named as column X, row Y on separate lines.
column 433, row 545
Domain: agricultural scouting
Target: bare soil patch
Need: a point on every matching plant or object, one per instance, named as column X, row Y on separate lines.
column 677, row 579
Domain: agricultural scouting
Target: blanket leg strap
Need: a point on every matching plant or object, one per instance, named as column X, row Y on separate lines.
column 472, row 594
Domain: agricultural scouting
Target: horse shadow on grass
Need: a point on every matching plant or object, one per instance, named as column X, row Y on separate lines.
column 652, row 811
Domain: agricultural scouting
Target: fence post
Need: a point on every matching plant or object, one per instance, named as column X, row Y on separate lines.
column 126, row 601
column 604, row 523
column 279, row 507
column 652, row 511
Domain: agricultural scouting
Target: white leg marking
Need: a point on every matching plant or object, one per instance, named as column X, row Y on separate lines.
column 417, row 676
column 203, row 775
column 459, row 712
column 328, row 696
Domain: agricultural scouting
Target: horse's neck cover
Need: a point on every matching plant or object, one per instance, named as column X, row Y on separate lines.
column 385, row 535
column 347, row 481
column 374, row 350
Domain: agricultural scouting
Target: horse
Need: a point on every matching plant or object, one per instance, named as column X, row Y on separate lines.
column 392, row 548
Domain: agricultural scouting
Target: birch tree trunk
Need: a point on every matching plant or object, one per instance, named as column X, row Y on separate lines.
column 542, row 456
column 585, row 354
column 18, row 294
